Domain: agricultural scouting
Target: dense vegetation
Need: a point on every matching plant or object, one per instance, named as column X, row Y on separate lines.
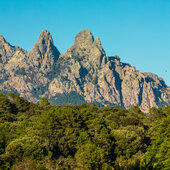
column 42, row 136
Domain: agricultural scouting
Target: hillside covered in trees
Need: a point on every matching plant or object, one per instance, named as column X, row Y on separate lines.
column 42, row 136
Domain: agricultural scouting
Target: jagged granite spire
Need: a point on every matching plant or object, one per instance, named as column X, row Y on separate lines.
column 84, row 39
column 44, row 54
column 86, row 47
column 6, row 50
column 44, row 39
column 2, row 39
column 84, row 72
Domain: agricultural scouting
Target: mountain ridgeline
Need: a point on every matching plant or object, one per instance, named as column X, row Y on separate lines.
column 83, row 74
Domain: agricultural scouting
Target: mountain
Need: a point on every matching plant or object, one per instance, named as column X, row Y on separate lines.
column 82, row 74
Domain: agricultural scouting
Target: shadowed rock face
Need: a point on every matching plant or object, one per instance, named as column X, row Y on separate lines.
column 83, row 74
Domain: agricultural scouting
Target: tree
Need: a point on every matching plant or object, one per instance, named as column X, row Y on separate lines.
column 157, row 155
column 44, row 101
column 89, row 156
column 19, row 103
column 5, row 105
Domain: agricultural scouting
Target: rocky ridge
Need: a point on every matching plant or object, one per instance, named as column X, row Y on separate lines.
column 83, row 74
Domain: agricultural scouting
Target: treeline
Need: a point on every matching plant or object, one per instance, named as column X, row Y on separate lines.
column 42, row 136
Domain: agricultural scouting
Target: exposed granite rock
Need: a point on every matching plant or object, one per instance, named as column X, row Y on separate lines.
column 84, row 72
column 28, row 73
column 6, row 50
column 44, row 54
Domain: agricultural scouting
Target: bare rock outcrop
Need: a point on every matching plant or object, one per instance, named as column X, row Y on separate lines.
column 44, row 54
column 83, row 74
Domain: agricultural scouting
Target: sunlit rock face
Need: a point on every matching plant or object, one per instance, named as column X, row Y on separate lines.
column 44, row 54
column 83, row 74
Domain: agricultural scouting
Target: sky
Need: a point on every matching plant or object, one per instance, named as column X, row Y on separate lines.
column 138, row 31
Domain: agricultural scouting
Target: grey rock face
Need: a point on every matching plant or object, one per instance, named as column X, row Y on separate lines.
column 44, row 54
column 83, row 72
column 25, row 72
column 6, row 50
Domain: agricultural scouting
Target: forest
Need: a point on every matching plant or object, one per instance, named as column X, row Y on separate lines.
column 42, row 136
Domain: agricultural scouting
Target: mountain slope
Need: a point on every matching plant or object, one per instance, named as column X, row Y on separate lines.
column 83, row 74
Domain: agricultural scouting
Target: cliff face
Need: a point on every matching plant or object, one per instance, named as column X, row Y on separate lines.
column 27, row 73
column 44, row 54
column 83, row 74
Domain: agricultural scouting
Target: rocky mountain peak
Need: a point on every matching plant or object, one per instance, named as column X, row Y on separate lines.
column 44, row 54
column 98, row 44
column 2, row 38
column 84, row 39
column 97, row 41
column 3, row 41
column 45, row 38
column 6, row 50
column 85, row 47
column 83, row 74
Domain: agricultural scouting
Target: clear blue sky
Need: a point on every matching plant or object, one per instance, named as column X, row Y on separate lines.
column 136, row 30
